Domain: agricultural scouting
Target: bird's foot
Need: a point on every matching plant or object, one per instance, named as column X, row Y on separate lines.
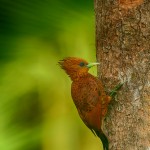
column 113, row 93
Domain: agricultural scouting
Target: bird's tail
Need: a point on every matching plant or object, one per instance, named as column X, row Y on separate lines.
column 103, row 138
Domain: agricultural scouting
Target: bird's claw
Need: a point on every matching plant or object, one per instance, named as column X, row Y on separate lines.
column 113, row 93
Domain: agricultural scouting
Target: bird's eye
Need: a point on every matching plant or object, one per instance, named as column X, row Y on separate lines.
column 82, row 64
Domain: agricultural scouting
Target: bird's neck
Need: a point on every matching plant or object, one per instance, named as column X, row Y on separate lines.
column 79, row 76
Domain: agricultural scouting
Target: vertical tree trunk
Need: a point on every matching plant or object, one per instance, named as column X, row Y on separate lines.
column 123, row 48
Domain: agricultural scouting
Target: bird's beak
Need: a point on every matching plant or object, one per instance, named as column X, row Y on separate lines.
column 92, row 64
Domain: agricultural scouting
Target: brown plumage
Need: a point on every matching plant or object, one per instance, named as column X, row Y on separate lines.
column 88, row 95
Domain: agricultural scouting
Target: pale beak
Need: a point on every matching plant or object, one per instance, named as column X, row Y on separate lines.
column 92, row 64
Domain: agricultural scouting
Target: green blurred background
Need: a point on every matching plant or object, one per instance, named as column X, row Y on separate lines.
column 36, row 109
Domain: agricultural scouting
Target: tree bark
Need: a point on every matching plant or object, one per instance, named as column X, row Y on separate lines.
column 123, row 49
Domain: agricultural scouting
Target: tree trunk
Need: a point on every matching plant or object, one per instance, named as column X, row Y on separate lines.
column 123, row 48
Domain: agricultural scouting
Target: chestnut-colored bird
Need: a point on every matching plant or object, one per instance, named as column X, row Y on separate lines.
column 88, row 95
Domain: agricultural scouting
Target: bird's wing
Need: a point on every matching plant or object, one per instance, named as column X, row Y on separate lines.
column 86, row 96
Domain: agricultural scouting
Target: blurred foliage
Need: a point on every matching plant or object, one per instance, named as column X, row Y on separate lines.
column 36, row 109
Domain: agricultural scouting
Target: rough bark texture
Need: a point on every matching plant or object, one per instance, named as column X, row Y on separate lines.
column 123, row 48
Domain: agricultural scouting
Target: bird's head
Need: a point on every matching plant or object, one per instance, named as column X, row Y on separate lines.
column 76, row 67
